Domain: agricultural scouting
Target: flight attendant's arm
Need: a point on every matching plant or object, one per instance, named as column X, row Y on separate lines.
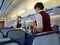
column 39, row 22
column 15, row 24
column 38, row 29
column 33, row 26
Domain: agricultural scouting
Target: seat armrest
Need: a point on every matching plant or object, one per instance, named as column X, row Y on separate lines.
column 45, row 33
column 4, row 39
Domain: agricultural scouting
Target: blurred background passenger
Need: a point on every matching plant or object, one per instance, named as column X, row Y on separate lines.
column 18, row 23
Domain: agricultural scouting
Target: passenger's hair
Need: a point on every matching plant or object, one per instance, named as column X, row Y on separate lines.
column 39, row 5
column 19, row 17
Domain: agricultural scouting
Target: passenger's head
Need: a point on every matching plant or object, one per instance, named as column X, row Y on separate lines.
column 38, row 6
column 19, row 18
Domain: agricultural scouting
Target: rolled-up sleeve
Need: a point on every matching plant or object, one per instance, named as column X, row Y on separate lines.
column 15, row 24
column 39, row 20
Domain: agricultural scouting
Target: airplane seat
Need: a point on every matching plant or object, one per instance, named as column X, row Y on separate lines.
column 56, row 29
column 8, row 41
column 1, row 35
column 4, row 31
column 47, row 39
column 44, row 38
column 18, row 35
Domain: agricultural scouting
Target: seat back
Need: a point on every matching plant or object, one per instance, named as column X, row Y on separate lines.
column 50, row 39
column 18, row 35
column 1, row 35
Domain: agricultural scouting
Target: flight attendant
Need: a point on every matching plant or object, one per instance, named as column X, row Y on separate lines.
column 42, row 19
column 18, row 23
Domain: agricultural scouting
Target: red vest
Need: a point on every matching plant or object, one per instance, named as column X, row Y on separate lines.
column 18, row 25
column 46, row 21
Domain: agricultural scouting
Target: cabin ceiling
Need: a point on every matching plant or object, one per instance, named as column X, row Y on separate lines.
column 18, row 7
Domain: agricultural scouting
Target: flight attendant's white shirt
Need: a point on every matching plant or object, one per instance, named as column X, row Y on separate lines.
column 39, row 21
column 15, row 24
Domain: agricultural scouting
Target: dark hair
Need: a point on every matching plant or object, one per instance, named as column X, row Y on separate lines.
column 39, row 5
column 19, row 17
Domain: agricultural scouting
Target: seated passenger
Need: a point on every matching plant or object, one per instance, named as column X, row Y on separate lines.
column 18, row 23
column 42, row 19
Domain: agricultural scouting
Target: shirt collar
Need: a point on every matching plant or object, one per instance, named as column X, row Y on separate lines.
column 40, row 10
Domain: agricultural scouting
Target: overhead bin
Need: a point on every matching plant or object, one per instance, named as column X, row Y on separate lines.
column 4, row 4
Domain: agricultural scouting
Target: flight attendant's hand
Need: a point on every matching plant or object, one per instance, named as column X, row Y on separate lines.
column 16, row 28
column 32, row 23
